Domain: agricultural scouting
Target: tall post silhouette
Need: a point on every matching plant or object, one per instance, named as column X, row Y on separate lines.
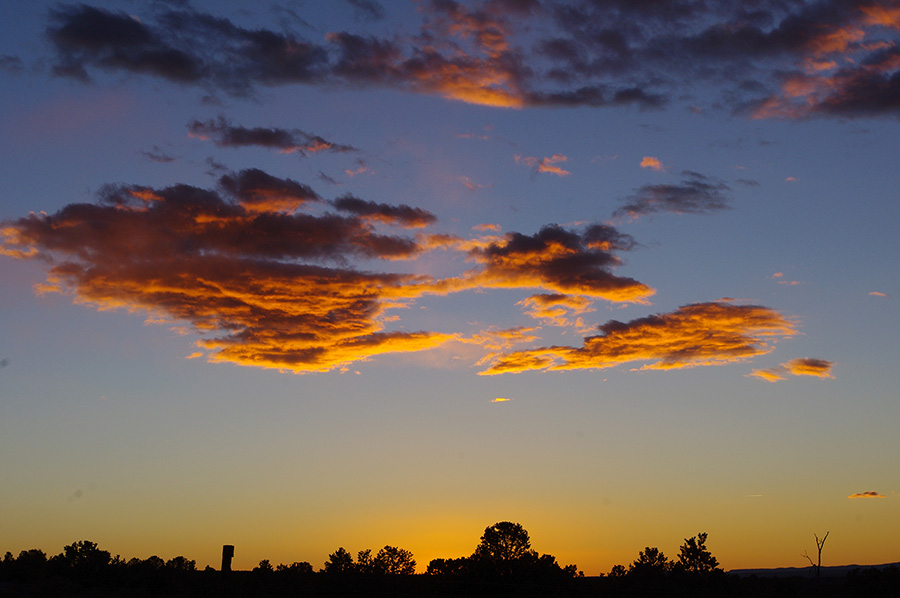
column 227, row 555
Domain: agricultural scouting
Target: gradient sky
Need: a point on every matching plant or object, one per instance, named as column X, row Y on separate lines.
column 292, row 277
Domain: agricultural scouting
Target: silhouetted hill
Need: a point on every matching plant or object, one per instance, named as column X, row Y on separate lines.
column 836, row 571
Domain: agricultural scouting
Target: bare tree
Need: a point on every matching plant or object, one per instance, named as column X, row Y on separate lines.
column 819, row 544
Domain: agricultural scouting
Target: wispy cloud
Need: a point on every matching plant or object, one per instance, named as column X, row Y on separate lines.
column 696, row 194
column 869, row 494
column 547, row 165
column 695, row 335
column 287, row 141
column 819, row 368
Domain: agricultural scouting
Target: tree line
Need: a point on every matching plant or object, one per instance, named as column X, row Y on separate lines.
column 503, row 563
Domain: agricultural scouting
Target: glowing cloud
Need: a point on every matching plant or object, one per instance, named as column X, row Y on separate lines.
column 796, row 367
column 500, row 400
column 809, row 367
column 547, row 165
column 652, row 163
column 714, row 333
column 877, row 294
column 869, row 494
column 263, row 282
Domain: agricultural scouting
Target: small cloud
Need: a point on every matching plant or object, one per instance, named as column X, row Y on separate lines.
column 486, row 227
column 770, row 375
column 779, row 278
column 546, row 165
column 4, row 362
column 472, row 136
column 500, row 400
column 157, row 155
column 809, row 367
column 869, row 494
column 194, row 355
column 696, row 194
column 471, row 185
column 796, row 367
column 877, row 294
column 790, row 179
column 360, row 170
column 652, row 163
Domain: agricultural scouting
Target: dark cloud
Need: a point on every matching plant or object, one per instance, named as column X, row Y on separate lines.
column 696, row 194
column 769, row 59
column 367, row 9
column 561, row 260
column 225, row 134
column 403, row 214
column 183, row 46
column 157, row 155
column 11, row 64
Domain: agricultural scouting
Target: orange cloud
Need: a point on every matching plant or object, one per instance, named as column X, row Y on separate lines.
column 796, row 367
column 263, row 282
column 846, row 69
column 809, row 367
column 877, row 294
column 770, row 375
column 500, row 400
column 652, row 163
column 556, row 309
column 713, row 333
column 869, row 494
column 547, row 165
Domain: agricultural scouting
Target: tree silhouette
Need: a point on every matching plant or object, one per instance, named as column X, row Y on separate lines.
column 694, row 557
column 391, row 560
column 650, row 562
column 301, row 567
column 180, row 563
column 364, row 562
column 264, row 566
column 503, row 542
column 819, row 544
column 339, row 561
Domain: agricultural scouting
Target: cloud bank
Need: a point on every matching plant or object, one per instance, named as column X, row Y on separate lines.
column 262, row 268
column 772, row 59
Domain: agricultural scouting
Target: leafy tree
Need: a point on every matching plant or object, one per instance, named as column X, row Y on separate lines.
column 650, row 562
column 82, row 558
column 364, row 562
column 154, row 562
column 694, row 557
column 339, row 561
column 301, row 567
column 180, row 563
column 448, row 567
column 264, row 566
column 503, row 542
column 391, row 560
column 618, row 571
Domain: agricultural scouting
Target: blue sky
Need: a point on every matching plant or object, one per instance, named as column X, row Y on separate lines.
column 267, row 270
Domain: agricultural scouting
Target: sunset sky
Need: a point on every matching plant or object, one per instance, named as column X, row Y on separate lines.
column 298, row 275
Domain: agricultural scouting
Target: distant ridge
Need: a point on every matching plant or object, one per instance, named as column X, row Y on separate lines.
column 837, row 571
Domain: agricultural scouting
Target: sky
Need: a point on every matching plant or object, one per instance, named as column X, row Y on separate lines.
column 300, row 275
